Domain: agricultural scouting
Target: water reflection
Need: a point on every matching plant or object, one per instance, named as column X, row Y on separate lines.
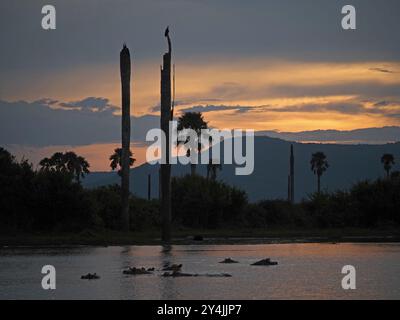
column 308, row 271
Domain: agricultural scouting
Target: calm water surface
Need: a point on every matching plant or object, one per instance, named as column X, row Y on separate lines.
column 305, row 271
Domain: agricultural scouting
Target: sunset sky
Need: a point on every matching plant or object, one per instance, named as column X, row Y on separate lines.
column 261, row 64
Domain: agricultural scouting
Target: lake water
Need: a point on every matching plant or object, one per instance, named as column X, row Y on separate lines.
column 305, row 271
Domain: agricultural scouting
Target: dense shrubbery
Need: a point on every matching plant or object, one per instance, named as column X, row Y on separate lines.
column 106, row 205
column 51, row 200
column 366, row 204
column 201, row 203
column 269, row 213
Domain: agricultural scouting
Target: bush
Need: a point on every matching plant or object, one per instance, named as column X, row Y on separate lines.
column 51, row 200
column 201, row 203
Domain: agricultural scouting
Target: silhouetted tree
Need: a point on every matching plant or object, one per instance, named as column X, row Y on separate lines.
column 388, row 161
column 125, row 70
column 116, row 160
column 68, row 162
column 319, row 165
column 58, row 161
column 55, row 163
column 76, row 165
column 45, row 164
column 194, row 121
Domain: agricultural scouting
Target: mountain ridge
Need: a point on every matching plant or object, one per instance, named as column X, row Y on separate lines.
column 348, row 165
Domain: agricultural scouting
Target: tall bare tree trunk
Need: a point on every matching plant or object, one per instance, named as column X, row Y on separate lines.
column 319, row 184
column 125, row 66
column 210, row 161
column 149, row 187
column 166, row 116
column 193, row 169
column 291, row 174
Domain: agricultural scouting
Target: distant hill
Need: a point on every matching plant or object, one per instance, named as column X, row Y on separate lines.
column 368, row 136
column 348, row 164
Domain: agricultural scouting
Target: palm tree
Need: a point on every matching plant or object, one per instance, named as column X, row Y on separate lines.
column 125, row 71
column 116, row 160
column 388, row 161
column 194, row 121
column 45, row 164
column 55, row 163
column 319, row 164
column 76, row 165
column 68, row 162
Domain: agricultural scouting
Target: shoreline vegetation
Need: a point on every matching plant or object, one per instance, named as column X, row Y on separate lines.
column 50, row 207
column 202, row 237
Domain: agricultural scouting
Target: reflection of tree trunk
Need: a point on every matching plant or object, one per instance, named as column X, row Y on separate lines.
column 192, row 169
column 165, row 171
column 319, row 183
column 125, row 66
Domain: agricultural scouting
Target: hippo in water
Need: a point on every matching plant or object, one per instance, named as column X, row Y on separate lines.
column 265, row 262
column 138, row 271
column 173, row 267
column 229, row 260
column 91, row 276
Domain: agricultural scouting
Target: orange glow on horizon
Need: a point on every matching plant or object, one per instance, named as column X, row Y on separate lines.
column 245, row 82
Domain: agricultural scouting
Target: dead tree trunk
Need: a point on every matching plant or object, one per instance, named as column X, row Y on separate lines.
column 149, row 187
column 125, row 66
column 166, row 116
column 291, row 174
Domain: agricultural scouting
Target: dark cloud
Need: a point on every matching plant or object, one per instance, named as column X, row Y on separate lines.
column 368, row 90
column 386, row 103
column 156, row 108
column 394, row 115
column 212, row 108
column 92, row 104
column 350, row 108
column 92, row 32
column 382, row 70
column 381, row 104
column 47, row 101
column 345, row 108
column 184, row 102
column 34, row 123
column 39, row 124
